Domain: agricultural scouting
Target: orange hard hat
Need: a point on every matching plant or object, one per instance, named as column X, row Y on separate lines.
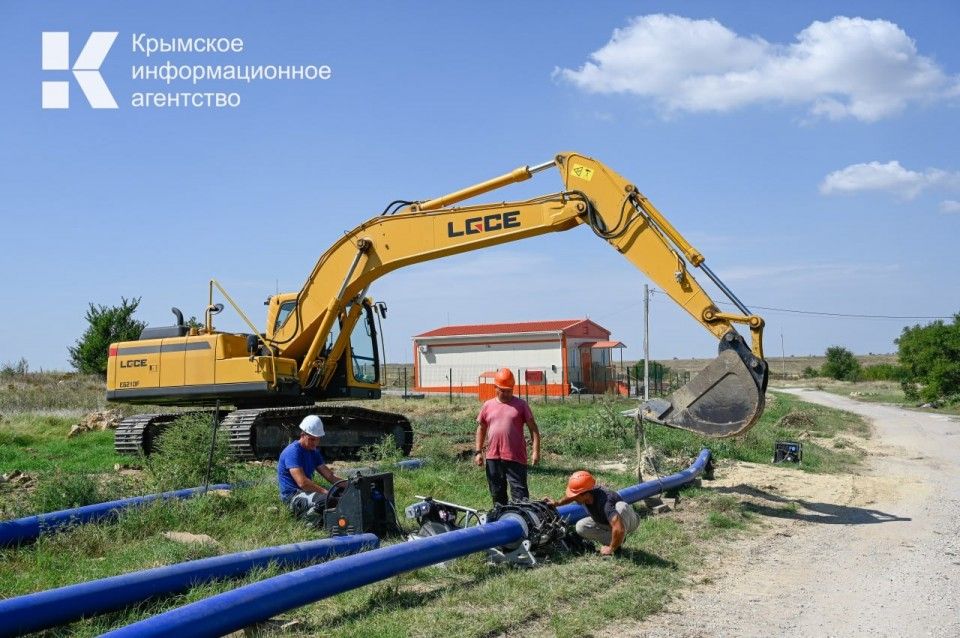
column 580, row 482
column 503, row 379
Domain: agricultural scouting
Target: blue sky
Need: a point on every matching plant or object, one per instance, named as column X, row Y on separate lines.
column 808, row 150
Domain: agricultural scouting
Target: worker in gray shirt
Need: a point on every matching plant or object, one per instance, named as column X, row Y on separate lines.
column 610, row 517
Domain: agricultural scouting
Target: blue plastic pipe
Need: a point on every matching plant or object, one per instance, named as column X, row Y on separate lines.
column 257, row 602
column 244, row 606
column 53, row 607
column 574, row 512
column 20, row 530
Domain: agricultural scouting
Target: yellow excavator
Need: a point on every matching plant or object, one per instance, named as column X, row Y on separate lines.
column 320, row 343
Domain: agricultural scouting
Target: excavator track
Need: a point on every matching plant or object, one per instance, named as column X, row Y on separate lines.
column 263, row 433
column 135, row 434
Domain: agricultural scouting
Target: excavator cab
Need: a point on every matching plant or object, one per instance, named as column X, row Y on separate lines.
column 364, row 359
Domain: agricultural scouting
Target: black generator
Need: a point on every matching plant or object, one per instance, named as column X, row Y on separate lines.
column 360, row 504
column 787, row 452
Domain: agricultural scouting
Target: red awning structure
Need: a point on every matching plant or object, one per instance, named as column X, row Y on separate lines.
column 608, row 344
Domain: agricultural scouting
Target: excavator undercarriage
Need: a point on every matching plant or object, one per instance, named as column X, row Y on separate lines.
column 263, row 433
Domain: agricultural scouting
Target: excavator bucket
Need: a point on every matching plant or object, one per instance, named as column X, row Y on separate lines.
column 724, row 399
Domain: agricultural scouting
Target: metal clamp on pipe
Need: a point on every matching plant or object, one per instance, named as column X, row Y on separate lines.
column 542, row 527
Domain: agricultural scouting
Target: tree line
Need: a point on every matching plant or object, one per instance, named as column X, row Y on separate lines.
column 928, row 368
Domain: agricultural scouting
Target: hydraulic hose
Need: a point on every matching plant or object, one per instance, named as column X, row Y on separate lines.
column 20, row 530
column 257, row 602
column 53, row 607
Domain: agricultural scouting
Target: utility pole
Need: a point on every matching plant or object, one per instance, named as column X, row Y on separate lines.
column 783, row 357
column 646, row 342
column 639, row 433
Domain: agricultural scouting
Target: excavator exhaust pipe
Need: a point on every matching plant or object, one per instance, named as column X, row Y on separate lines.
column 725, row 399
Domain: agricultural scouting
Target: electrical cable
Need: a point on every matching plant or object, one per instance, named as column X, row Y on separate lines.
column 846, row 315
column 475, row 515
column 829, row 314
column 396, row 519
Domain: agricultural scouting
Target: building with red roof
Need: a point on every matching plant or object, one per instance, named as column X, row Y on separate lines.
column 551, row 357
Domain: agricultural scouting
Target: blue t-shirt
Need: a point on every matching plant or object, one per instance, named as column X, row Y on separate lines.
column 295, row 456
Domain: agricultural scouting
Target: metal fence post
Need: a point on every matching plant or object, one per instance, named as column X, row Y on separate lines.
column 450, row 377
column 404, row 382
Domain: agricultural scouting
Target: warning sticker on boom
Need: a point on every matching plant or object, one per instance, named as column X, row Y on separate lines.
column 582, row 172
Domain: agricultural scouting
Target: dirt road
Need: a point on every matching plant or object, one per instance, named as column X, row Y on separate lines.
column 872, row 555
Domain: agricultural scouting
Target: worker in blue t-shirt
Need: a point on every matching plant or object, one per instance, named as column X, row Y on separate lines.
column 295, row 472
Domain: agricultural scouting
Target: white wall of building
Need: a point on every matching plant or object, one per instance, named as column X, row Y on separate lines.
column 478, row 355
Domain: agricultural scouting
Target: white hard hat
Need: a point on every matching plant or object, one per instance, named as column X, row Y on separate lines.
column 312, row 425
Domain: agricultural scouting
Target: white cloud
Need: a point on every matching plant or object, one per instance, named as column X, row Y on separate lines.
column 950, row 206
column 890, row 177
column 847, row 67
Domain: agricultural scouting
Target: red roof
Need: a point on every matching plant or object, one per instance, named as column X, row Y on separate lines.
column 503, row 328
column 608, row 344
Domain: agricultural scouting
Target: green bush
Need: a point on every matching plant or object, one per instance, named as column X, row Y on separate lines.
column 810, row 373
column 385, row 453
column 181, row 454
column 108, row 324
column 930, row 359
column 841, row 364
column 882, row 372
column 61, row 491
column 18, row 369
column 602, row 431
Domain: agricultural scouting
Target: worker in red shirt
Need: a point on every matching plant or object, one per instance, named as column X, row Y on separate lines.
column 500, row 441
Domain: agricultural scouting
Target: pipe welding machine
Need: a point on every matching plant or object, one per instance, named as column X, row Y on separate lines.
column 541, row 523
column 362, row 503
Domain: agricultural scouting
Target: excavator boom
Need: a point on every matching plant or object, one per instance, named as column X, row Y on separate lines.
column 724, row 399
column 320, row 342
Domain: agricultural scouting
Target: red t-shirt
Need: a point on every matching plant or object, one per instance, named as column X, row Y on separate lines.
column 505, row 423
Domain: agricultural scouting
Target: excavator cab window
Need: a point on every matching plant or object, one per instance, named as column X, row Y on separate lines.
column 286, row 309
column 363, row 349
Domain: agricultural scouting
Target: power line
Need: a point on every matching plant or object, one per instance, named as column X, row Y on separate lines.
column 842, row 314
column 828, row 314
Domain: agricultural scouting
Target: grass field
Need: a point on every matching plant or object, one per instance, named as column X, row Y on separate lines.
column 469, row 598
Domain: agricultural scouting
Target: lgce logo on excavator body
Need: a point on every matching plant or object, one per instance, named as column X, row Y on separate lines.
column 485, row 224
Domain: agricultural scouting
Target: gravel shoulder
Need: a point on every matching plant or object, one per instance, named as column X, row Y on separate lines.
column 874, row 554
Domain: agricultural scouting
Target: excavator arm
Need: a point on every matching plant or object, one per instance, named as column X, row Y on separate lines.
column 726, row 398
